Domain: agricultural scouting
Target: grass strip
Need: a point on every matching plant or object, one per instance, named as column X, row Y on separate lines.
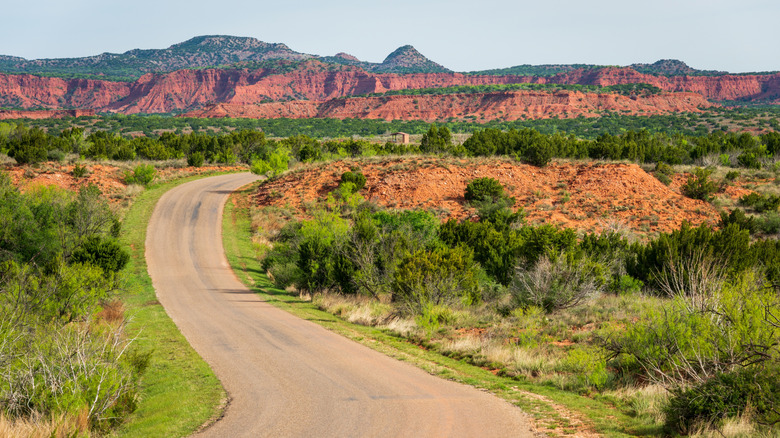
column 556, row 412
column 179, row 391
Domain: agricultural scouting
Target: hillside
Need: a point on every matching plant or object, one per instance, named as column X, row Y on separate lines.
column 483, row 107
column 185, row 90
column 585, row 196
column 200, row 52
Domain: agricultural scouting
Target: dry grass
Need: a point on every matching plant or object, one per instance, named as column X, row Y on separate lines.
column 356, row 309
column 646, row 401
column 740, row 427
column 112, row 312
column 133, row 190
column 38, row 427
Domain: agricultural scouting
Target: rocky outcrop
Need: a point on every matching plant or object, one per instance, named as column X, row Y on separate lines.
column 725, row 87
column 312, row 80
column 28, row 91
column 44, row 114
column 510, row 105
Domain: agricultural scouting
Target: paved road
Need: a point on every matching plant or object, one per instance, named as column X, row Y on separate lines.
column 287, row 377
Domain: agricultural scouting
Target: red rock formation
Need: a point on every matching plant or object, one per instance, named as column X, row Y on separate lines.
column 725, row 87
column 44, row 114
column 28, row 91
column 509, row 105
column 313, row 80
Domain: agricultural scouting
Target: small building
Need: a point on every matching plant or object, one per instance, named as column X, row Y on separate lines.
column 400, row 137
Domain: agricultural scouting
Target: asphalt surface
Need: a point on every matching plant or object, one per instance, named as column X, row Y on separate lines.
column 287, row 377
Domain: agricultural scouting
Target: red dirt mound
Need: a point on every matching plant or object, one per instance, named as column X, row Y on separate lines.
column 585, row 196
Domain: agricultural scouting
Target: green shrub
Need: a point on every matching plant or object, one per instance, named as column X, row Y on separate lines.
column 143, row 174
column 442, row 276
column 196, row 159
column 664, row 173
column 750, row 159
column 105, row 254
column 699, row 185
column 357, row 178
column 684, row 248
column 538, row 153
column 769, row 223
column 260, row 167
column 486, row 188
column 692, row 339
column 739, row 218
column 56, row 155
column 79, row 171
column 627, row 285
column 760, row 202
column 436, row 140
column 53, row 370
column 723, row 396
column 732, row 175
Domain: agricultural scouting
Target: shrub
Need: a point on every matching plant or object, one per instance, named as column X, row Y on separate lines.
column 653, row 262
column 732, row 175
column 105, row 254
column 627, row 285
column 56, row 155
column 664, row 173
column 556, row 284
column 726, row 395
column 196, row 159
column 29, row 146
column 769, row 223
column 760, row 203
column 436, row 140
column 79, row 171
column 442, row 276
column 750, row 159
column 143, row 174
column 739, row 218
column 680, row 344
column 699, row 185
column 356, row 178
column 260, row 167
column 56, row 370
column 537, row 153
column 481, row 189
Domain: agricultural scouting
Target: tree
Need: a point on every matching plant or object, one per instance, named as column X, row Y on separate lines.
column 436, row 140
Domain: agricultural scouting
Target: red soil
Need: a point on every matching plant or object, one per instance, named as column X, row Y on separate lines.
column 600, row 196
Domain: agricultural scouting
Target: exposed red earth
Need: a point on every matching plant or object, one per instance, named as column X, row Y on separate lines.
column 585, row 196
column 505, row 105
column 44, row 114
column 107, row 177
column 191, row 89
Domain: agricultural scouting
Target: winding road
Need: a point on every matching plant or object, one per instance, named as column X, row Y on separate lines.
column 287, row 377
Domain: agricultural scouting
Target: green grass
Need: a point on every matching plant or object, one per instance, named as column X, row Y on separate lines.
column 540, row 401
column 179, row 391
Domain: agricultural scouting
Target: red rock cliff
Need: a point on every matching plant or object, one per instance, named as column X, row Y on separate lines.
column 510, row 105
column 188, row 89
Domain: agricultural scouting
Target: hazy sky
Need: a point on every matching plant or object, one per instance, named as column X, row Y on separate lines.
column 736, row 36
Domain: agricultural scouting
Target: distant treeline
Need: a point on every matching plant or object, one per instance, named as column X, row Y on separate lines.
column 587, row 128
column 31, row 145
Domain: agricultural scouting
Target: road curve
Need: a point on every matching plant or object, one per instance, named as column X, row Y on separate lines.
column 287, row 377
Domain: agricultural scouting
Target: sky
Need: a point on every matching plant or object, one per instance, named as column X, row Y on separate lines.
column 734, row 36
